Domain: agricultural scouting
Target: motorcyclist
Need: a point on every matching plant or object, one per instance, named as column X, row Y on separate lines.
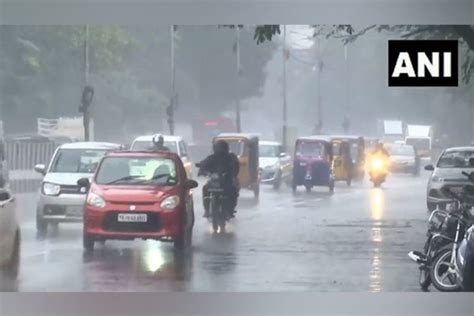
column 221, row 161
column 158, row 143
column 380, row 150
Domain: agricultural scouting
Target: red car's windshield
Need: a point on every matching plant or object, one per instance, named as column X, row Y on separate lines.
column 137, row 171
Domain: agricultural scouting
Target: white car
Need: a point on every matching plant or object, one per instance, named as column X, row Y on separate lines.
column 9, row 235
column 176, row 144
column 275, row 164
column 403, row 159
column 60, row 199
column 448, row 172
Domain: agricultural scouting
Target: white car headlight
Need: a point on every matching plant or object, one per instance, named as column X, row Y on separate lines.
column 437, row 179
column 95, row 200
column 170, row 202
column 51, row 188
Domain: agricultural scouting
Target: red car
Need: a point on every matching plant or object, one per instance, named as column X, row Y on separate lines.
column 139, row 195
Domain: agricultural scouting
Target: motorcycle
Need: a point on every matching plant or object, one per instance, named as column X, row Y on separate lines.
column 378, row 169
column 218, row 200
column 442, row 263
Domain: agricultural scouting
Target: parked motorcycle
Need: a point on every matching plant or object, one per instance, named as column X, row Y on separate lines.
column 465, row 261
column 442, row 263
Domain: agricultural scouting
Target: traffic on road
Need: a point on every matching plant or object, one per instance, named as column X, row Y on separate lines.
column 105, row 216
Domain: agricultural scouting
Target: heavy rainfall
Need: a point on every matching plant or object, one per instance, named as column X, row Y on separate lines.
column 104, row 131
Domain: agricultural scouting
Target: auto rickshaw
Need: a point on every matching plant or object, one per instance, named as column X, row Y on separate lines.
column 312, row 163
column 342, row 165
column 356, row 153
column 245, row 147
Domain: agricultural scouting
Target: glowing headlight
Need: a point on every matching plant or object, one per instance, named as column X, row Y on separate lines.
column 51, row 188
column 95, row 200
column 170, row 202
column 377, row 164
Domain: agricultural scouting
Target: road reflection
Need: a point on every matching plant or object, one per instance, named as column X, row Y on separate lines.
column 153, row 266
column 377, row 205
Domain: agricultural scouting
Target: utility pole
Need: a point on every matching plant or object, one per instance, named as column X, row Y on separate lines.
column 171, row 107
column 237, row 83
column 346, row 123
column 285, row 58
column 319, row 126
column 88, row 92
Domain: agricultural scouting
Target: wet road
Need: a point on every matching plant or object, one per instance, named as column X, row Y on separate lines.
column 354, row 240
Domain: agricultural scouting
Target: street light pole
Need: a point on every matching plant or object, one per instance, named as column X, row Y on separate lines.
column 319, row 70
column 285, row 57
column 237, row 84
column 346, row 122
column 87, row 115
column 173, row 82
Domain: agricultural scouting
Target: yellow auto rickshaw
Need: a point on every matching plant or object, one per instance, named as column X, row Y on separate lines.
column 342, row 165
column 357, row 154
column 245, row 147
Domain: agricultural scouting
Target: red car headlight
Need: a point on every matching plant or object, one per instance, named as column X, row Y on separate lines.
column 95, row 200
column 170, row 202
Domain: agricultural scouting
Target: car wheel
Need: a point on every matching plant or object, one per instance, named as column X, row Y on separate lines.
column 277, row 182
column 256, row 191
column 41, row 225
column 88, row 242
column 12, row 267
column 308, row 188
column 185, row 239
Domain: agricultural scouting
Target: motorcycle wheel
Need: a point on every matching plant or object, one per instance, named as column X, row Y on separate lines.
column 441, row 278
column 308, row 188
column 424, row 279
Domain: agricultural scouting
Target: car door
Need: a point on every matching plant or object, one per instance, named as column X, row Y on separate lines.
column 285, row 162
column 8, row 224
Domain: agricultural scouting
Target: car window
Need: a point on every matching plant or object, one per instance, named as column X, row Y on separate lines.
column 456, row 159
column 183, row 149
column 269, row 151
column 402, row 151
column 137, row 171
column 419, row 143
column 77, row 160
column 148, row 145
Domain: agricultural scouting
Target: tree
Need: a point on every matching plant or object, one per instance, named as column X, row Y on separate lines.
column 464, row 33
column 41, row 68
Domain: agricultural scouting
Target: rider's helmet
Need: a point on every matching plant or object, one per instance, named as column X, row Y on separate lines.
column 158, row 140
column 221, row 147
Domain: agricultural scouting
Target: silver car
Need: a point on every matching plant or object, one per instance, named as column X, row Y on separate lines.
column 60, row 199
column 403, row 159
column 275, row 164
column 448, row 172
